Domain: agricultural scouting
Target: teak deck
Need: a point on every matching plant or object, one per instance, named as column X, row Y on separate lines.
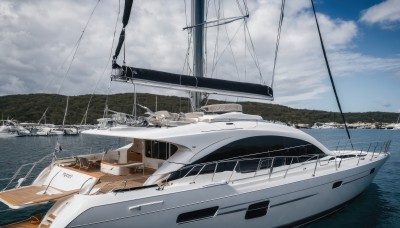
column 107, row 182
column 28, row 195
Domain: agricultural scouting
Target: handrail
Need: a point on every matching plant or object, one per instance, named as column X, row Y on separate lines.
column 277, row 161
column 27, row 174
column 85, row 183
column 51, row 181
column 316, row 164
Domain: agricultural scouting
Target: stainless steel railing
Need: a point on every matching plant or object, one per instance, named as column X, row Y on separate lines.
column 28, row 167
column 277, row 164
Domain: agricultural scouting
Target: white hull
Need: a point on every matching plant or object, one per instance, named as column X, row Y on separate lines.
column 291, row 201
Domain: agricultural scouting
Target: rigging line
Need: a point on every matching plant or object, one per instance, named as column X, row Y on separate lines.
column 227, row 21
column 224, row 21
column 77, row 47
column 330, row 74
column 105, row 68
column 62, row 65
column 253, row 54
column 189, row 41
column 245, row 7
column 230, row 46
column 216, row 45
column 240, row 7
column 229, row 42
column 278, row 36
column 205, row 40
column 245, row 51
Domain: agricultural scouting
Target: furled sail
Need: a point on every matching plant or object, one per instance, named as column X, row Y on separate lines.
column 190, row 83
column 125, row 20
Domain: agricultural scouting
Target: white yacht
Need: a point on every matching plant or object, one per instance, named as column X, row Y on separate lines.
column 229, row 169
column 216, row 166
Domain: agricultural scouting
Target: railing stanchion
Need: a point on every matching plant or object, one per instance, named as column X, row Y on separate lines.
column 198, row 173
column 215, row 170
column 316, row 164
column 369, row 147
column 189, row 171
column 336, row 162
column 288, row 168
column 258, row 167
column 373, row 153
column 234, row 168
column 271, row 168
column 359, row 156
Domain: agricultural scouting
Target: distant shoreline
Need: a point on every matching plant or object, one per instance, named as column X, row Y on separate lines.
column 31, row 107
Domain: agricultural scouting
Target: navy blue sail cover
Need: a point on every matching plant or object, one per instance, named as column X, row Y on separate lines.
column 125, row 20
column 190, row 81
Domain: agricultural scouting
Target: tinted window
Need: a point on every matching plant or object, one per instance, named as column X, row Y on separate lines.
column 160, row 150
column 196, row 215
column 257, row 210
column 262, row 146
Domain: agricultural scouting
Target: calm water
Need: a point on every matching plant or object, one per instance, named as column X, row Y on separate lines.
column 378, row 206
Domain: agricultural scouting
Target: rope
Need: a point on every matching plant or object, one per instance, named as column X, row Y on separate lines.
column 277, row 41
column 229, row 42
column 77, row 46
column 230, row 46
column 74, row 51
column 253, row 55
column 215, row 60
column 330, row 75
column 105, row 68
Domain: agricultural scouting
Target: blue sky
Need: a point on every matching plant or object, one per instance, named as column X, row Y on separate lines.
column 372, row 91
column 373, row 39
column 362, row 39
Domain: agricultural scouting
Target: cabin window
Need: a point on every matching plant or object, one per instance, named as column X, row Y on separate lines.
column 160, row 150
column 197, row 215
column 264, row 146
column 257, row 210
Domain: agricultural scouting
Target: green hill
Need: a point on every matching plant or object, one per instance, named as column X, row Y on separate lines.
column 30, row 108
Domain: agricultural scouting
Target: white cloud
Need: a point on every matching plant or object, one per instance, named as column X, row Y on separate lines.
column 38, row 36
column 385, row 14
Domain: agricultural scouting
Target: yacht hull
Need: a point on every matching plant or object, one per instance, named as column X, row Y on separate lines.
column 289, row 202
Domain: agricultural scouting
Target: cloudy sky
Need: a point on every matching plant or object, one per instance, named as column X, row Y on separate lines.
column 38, row 40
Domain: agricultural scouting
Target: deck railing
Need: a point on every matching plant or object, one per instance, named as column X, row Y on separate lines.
column 273, row 166
column 23, row 173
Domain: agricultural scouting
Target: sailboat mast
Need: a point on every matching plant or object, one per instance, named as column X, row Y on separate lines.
column 198, row 47
column 65, row 112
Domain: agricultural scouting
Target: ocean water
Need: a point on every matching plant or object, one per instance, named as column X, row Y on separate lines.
column 378, row 206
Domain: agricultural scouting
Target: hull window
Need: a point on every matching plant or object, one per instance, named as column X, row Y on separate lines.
column 257, row 210
column 197, row 215
column 372, row 171
column 337, row 184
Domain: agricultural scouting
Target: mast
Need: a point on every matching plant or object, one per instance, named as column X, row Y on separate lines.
column 198, row 49
column 65, row 112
